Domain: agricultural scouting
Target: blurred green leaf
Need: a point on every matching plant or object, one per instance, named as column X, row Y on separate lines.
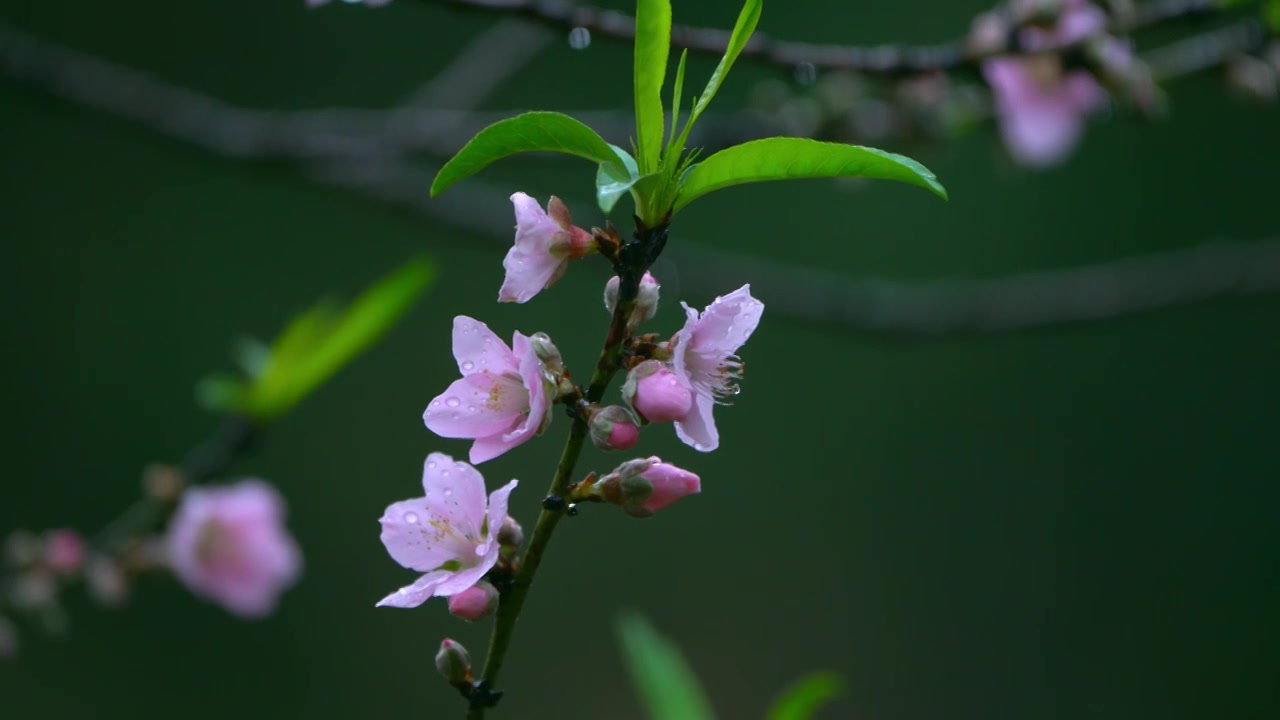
column 666, row 684
column 252, row 355
column 1271, row 15
column 802, row 699
column 748, row 18
column 315, row 345
column 653, row 45
column 784, row 158
column 529, row 132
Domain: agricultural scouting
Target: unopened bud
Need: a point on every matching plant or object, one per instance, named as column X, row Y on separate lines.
column 476, row 602
column 106, row 581
column 656, row 393
column 614, row 428
column 643, row 487
column 547, row 352
column 646, row 298
column 63, row 551
column 510, row 535
column 453, row 662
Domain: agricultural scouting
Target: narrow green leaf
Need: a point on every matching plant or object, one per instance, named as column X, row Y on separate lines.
column 803, row 698
column 653, row 45
column 324, row 339
column 529, row 132
column 672, row 153
column 748, row 18
column 666, row 684
column 783, row 158
column 222, row 393
column 252, row 355
column 1271, row 13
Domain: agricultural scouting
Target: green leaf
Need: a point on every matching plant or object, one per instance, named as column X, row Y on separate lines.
column 529, row 132
column 803, row 698
column 748, row 18
column 615, row 178
column 677, row 92
column 653, row 45
column 1271, row 14
column 666, row 684
column 783, row 158
column 315, row 345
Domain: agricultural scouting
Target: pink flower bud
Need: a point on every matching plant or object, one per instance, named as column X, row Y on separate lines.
column 64, row 551
column 670, row 483
column 656, row 393
column 453, row 662
column 614, row 428
column 644, row 486
column 476, row 602
column 646, row 299
column 510, row 535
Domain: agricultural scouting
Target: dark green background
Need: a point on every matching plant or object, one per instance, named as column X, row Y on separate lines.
column 1067, row 522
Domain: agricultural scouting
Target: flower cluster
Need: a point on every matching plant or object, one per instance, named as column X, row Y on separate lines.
column 461, row 540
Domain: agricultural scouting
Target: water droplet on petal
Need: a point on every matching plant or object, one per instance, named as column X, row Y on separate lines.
column 411, row 517
column 467, row 366
column 452, row 402
column 447, row 491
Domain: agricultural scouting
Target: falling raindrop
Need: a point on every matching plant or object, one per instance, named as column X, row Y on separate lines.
column 806, row 74
column 579, row 38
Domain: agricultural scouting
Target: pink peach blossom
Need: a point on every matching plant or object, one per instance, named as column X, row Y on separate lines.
column 704, row 361
column 503, row 398
column 644, row 486
column 545, row 243
column 670, row 483
column 450, row 534
column 1041, row 110
column 64, row 551
column 229, row 545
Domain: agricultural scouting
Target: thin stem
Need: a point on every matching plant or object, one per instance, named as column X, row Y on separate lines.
column 631, row 265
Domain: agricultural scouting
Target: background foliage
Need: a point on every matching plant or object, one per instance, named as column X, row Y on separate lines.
column 1072, row 521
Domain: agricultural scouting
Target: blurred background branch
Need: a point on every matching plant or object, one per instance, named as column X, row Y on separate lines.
column 370, row 152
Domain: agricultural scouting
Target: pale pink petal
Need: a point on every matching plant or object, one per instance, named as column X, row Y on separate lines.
column 490, row 447
column 455, row 494
column 698, row 428
column 477, row 349
column 1083, row 92
column 727, row 323
column 410, row 538
column 531, row 373
column 678, row 360
column 498, row 500
column 476, row 406
column 1043, row 134
column 467, row 577
column 1080, row 19
column 414, row 595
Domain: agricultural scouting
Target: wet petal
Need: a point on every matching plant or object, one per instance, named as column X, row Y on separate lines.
column 476, row 406
column 414, row 595
column 455, row 494
column 698, row 428
column 477, row 349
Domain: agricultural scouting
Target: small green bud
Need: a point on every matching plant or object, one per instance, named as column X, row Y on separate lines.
column 453, row 662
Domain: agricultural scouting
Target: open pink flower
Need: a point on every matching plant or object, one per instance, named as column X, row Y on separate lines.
column 704, row 360
column 545, row 243
column 229, row 545
column 502, row 399
column 451, row 534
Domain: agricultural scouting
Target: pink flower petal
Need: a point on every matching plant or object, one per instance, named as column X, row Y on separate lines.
column 455, row 494
column 420, row 591
column 534, row 262
column 698, row 428
column 498, row 500
column 477, row 348
column 467, row 577
column 410, row 538
column 476, row 406
column 727, row 322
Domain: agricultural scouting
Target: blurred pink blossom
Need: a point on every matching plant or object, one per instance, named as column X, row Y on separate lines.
column 64, row 551
column 502, row 398
column 450, row 534
column 229, row 545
